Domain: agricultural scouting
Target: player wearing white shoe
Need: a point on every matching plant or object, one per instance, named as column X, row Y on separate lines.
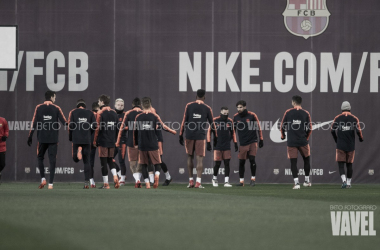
column 297, row 123
column 222, row 147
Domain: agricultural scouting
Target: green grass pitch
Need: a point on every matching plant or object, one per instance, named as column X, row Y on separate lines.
column 174, row 217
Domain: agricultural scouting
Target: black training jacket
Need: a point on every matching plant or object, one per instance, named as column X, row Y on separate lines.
column 343, row 130
column 247, row 127
column 127, row 124
column 106, row 131
column 195, row 119
column 145, row 128
column 82, row 124
column 297, row 123
column 45, row 121
column 226, row 133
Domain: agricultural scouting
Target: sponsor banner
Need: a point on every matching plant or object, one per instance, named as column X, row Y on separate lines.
column 263, row 52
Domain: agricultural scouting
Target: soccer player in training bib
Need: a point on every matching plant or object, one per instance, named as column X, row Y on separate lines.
column 133, row 153
column 195, row 118
column 248, row 126
column 343, row 130
column 45, row 121
column 4, row 133
column 145, row 138
column 105, row 139
column 82, row 124
column 222, row 147
column 297, row 123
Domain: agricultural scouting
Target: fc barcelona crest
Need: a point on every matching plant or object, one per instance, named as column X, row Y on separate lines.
column 306, row 18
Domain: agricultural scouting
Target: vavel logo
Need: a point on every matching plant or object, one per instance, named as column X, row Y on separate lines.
column 352, row 220
column 306, row 18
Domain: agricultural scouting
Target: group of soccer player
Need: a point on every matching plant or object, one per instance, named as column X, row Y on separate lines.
column 138, row 133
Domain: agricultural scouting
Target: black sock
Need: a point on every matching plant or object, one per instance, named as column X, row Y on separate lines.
column 163, row 166
column 241, row 168
column 216, row 167
column 103, row 163
column 252, row 165
column 293, row 166
column 349, row 170
column 341, row 168
column 306, row 165
column 227, row 168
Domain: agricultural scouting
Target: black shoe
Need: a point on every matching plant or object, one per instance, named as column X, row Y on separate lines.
column 252, row 183
column 167, row 182
column 241, row 184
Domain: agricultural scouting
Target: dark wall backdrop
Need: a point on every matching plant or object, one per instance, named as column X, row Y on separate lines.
column 133, row 48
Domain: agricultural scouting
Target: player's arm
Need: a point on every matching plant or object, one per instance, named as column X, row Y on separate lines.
column 98, row 120
column 309, row 127
column 184, row 121
column 210, row 119
column 283, row 125
column 136, row 132
column 233, row 131
column 359, row 130
column 261, row 141
column 164, row 127
column 61, row 116
column 33, row 126
column 334, row 127
column 121, row 129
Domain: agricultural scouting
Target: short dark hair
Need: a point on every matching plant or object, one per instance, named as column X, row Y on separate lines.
column 146, row 103
column 49, row 94
column 95, row 105
column 136, row 102
column 241, row 102
column 81, row 101
column 297, row 99
column 201, row 93
column 224, row 108
column 105, row 99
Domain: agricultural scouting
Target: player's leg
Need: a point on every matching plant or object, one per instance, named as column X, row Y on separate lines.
column 86, row 151
column 190, row 148
column 227, row 173
column 252, row 164
column 133, row 156
column 293, row 167
column 151, row 172
column 305, row 153
column 137, row 174
column 145, row 174
column 241, row 172
column 92, row 164
column 117, row 168
column 217, row 162
column 123, row 167
column 199, row 171
column 306, row 167
column 74, row 152
column 341, row 159
column 2, row 163
column 292, row 155
column 41, row 150
column 216, row 171
column 112, row 166
column 52, row 152
column 190, row 167
column 168, row 178
column 200, row 152
column 349, row 162
column 103, row 164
